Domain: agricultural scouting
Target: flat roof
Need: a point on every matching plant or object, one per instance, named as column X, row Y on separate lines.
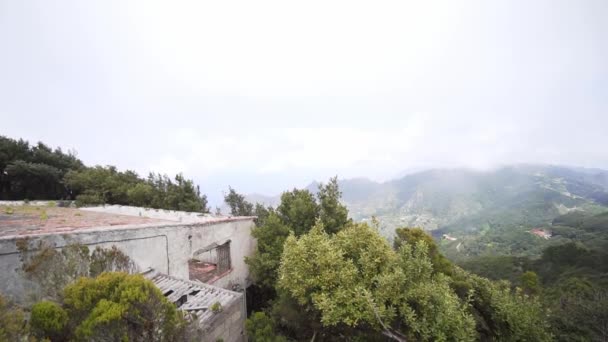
column 23, row 220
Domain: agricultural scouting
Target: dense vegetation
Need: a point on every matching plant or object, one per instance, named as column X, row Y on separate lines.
column 570, row 278
column 491, row 215
column 84, row 296
column 489, row 212
column 111, row 307
column 311, row 283
column 53, row 269
column 12, row 321
column 39, row 172
column 321, row 276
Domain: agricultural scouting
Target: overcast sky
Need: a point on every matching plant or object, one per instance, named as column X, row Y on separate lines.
column 270, row 95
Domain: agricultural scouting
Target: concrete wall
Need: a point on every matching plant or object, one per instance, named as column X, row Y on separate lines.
column 228, row 325
column 166, row 248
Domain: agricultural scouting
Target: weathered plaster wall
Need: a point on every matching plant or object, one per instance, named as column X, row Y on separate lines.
column 165, row 248
column 228, row 325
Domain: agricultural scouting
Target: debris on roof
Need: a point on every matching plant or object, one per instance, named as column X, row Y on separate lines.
column 30, row 220
column 19, row 218
column 194, row 297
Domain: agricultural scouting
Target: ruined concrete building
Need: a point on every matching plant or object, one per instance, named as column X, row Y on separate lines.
column 194, row 259
column 220, row 313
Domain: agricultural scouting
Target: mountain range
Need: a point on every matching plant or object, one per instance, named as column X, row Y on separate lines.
column 480, row 211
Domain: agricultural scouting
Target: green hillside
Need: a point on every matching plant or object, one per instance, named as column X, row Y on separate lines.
column 572, row 274
column 487, row 212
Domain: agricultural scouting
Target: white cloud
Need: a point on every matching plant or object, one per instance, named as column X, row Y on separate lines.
column 414, row 141
column 283, row 92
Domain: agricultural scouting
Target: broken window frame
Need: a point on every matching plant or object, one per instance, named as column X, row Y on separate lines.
column 220, row 256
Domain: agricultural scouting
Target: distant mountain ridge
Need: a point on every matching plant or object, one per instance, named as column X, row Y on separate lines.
column 485, row 212
column 367, row 197
column 468, row 200
column 443, row 198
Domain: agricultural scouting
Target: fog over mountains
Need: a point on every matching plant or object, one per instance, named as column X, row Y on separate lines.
column 467, row 202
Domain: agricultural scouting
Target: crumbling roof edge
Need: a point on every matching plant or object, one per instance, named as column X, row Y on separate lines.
column 131, row 227
column 151, row 273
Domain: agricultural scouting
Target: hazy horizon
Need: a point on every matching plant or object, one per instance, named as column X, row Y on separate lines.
column 266, row 96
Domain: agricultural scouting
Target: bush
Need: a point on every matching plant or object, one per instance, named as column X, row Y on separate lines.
column 117, row 306
column 216, row 307
column 48, row 320
column 12, row 324
column 53, row 269
column 261, row 328
column 88, row 199
column 110, row 260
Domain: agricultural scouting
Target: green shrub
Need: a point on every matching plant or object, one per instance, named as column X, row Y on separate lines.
column 118, row 306
column 261, row 328
column 88, row 199
column 48, row 320
column 110, row 260
column 216, row 307
column 12, row 325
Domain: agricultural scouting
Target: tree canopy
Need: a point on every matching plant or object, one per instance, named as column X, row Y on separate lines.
column 354, row 278
column 112, row 306
column 568, row 278
column 297, row 213
column 33, row 171
column 298, row 210
column 238, row 204
column 39, row 172
column 332, row 213
column 348, row 283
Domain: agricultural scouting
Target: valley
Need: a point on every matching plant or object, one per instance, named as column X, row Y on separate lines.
column 486, row 212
